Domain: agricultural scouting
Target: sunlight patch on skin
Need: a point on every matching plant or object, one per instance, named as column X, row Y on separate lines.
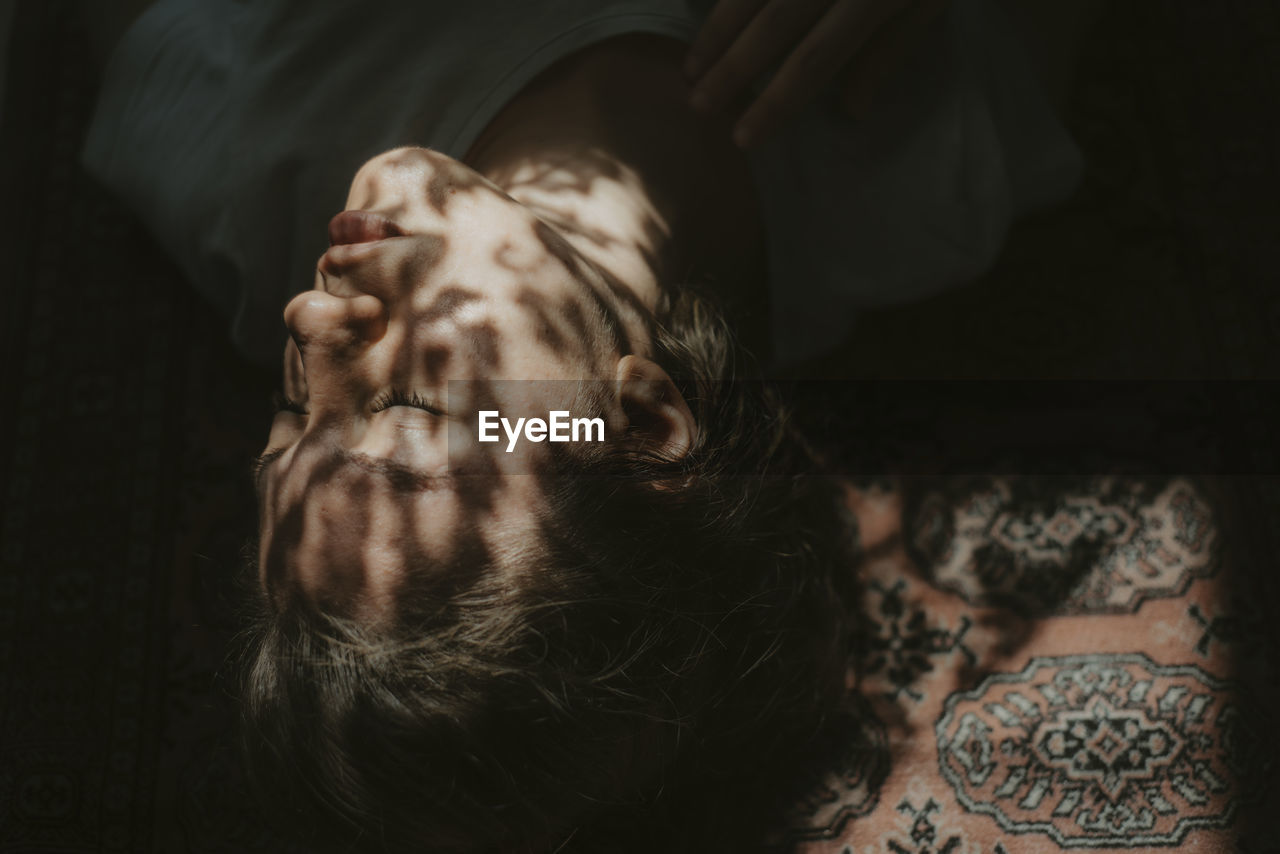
column 471, row 285
column 577, row 200
column 354, row 557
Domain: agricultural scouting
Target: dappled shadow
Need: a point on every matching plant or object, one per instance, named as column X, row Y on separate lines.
column 561, row 179
column 377, row 506
column 642, row 607
column 438, row 188
column 456, row 315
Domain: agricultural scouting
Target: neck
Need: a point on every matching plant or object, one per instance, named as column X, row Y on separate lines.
column 604, row 147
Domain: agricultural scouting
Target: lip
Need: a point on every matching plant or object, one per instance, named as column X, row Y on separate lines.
column 341, row 256
column 351, row 227
column 354, row 236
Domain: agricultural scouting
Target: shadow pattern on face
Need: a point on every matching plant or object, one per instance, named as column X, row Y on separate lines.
column 568, row 175
column 599, row 679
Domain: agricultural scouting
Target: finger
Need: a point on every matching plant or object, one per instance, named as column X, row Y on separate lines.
column 845, row 28
column 726, row 21
column 769, row 36
column 886, row 54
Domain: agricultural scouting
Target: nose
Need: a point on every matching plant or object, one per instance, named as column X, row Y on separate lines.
column 334, row 337
column 335, row 325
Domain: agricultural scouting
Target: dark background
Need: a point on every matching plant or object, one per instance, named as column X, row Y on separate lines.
column 127, row 423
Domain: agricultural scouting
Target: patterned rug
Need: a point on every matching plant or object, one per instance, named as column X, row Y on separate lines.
column 1046, row 664
column 1049, row 664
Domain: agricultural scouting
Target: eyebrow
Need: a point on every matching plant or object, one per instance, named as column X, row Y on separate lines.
column 402, row 478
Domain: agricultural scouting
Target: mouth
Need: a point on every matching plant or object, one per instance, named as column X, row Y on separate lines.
column 351, row 227
column 353, row 237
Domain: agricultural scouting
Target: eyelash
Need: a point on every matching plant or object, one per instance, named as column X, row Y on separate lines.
column 283, row 403
column 395, row 397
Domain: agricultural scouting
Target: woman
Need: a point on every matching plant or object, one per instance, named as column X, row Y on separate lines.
column 456, row 648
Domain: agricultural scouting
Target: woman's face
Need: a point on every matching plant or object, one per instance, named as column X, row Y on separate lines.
column 445, row 278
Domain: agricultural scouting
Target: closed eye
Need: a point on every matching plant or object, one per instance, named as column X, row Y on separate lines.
column 413, row 400
column 283, row 403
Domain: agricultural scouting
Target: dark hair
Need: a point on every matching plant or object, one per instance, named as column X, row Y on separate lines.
column 645, row 686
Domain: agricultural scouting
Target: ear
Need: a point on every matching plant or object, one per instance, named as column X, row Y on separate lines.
column 656, row 412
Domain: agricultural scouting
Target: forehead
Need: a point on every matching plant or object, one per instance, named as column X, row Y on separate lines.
column 354, row 534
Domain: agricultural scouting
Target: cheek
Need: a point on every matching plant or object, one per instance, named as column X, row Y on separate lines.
column 548, row 348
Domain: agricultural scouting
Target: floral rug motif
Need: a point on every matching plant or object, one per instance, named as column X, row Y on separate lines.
column 993, row 726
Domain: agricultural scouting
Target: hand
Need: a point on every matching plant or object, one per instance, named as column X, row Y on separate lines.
column 854, row 42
